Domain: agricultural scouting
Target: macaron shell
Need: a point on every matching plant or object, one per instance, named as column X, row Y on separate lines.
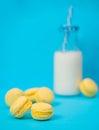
column 20, row 107
column 41, row 116
column 44, row 94
column 12, row 95
column 30, row 93
column 42, row 107
column 88, row 87
column 23, row 110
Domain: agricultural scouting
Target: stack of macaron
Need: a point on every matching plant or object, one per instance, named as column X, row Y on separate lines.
column 38, row 100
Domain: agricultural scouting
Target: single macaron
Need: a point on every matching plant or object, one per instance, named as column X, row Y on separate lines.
column 30, row 93
column 44, row 94
column 41, row 111
column 12, row 95
column 20, row 107
column 88, row 87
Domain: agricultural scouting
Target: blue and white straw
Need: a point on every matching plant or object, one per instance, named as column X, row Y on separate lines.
column 69, row 18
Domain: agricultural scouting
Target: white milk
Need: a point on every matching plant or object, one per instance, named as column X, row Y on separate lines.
column 67, row 72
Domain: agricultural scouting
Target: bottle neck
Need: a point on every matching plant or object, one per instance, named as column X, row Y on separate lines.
column 71, row 41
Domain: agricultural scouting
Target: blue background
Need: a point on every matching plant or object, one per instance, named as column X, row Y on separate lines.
column 29, row 36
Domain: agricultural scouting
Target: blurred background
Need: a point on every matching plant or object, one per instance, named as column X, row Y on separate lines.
column 29, row 36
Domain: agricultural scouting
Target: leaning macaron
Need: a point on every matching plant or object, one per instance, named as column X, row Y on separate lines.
column 88, row 87
column 44, row 94
column 30, row 93
column 12, row 95
column 20, row 107
column 41, row 111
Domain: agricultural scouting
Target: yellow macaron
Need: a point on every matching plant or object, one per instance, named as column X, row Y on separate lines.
column 88, row 87
column 30, row 93
column 19, row 108
column 41, row 111
column 44, row 94
column 12, row 95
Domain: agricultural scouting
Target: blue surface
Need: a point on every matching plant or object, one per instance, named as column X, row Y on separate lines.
column 70, row 113
column 29, row 37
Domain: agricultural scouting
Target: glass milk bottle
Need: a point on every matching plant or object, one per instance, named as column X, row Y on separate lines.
column 68, row 64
